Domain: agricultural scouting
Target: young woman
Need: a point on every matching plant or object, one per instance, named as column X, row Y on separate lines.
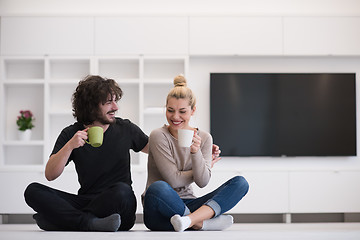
column 169, row 202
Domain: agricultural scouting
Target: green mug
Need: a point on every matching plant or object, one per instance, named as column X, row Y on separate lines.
column 95, row 136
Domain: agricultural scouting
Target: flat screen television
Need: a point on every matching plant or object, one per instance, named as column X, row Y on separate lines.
column 283, row 114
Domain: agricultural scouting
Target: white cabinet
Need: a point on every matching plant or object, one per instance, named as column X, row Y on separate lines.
column 21, row 79
column 14, row 183
column 268, row 193
column 324, row 191
column 322, row 36
column 235, row 36
column 303, row 191
column 268, row 190
column 274, row 36
column 141, row 35
column 180, row 35
column 158, row 75
column 45, row 85
column 47, row 35
column 139, row 183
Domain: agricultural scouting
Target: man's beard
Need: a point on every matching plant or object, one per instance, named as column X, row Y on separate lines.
column 104, row 120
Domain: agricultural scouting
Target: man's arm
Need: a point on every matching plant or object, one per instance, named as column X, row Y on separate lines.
column 146, row 148
column 56, row 164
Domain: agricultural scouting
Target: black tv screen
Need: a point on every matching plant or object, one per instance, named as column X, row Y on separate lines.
column 283, row 114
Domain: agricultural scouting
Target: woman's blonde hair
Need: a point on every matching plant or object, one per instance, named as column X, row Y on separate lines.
column 180, row 90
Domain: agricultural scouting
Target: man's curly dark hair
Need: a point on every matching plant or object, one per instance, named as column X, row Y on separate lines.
column 90, row 92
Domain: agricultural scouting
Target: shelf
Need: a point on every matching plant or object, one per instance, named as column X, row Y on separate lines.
column 160, row 91
column 24, row 81
column 65, row 81
column 160, row 81
column 23, row 169
column 119, row 69
column 24, row 97
column 60, row 96
column 155, row 111
column 69, row 68
column 60, row 113
column 157, row 68
column 24, row 69
column 24, row 143
column 57, row 122
column 23, row 155
column 45, row 86
column 128, row 82
column 153, row 121
column 129, row 103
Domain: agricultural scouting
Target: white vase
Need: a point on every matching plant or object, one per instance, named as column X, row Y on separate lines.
column 25, row 135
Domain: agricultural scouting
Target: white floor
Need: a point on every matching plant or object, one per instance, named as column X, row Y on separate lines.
column 297, row 231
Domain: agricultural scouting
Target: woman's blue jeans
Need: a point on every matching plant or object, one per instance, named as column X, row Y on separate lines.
column 161, row 202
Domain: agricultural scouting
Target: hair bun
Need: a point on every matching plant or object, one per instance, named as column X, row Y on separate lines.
column 180, row 81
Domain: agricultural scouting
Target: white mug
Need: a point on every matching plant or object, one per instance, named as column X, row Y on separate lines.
column 185, row 137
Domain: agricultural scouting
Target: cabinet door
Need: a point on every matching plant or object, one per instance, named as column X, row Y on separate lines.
column 314, row 192
column 268, row 191
column 322, row 35
column 139, row 183
column 140, row 35
column 235, row 36
column 13, row 185
column 47, row 35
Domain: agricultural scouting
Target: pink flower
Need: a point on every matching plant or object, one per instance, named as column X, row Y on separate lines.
column 25, row 120
column 27, row 114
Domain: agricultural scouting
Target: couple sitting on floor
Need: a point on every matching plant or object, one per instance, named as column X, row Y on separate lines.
column 105, row 200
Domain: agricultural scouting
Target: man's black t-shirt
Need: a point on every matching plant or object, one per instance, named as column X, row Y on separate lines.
column 101, row 167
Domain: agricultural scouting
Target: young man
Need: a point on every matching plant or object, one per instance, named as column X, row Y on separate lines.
column 105, row 200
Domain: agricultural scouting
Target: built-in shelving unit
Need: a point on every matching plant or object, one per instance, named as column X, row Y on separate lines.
column 45, row 85
column 40, row 66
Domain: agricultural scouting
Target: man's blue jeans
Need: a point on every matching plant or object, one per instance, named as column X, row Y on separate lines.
column 161, row 202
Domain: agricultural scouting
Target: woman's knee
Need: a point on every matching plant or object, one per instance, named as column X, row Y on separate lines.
column 158, row 191
column 241, row 183
column 158, row 188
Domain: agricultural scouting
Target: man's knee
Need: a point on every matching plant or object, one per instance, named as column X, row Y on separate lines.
column 31, row 191
column 123, row 191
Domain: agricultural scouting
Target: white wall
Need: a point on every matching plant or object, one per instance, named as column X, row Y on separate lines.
column 184, row 7
column 200, row 67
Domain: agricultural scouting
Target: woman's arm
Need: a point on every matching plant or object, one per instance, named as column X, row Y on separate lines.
column 201, row 160
column 215, row 154
column 159, row 150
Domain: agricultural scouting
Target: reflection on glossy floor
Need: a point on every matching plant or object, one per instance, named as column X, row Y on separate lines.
column 300, row 231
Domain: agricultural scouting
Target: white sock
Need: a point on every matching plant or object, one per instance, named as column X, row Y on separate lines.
column 180, row 224
column 219, row 223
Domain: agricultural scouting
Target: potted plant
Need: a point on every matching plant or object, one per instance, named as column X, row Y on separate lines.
column 25, row 124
